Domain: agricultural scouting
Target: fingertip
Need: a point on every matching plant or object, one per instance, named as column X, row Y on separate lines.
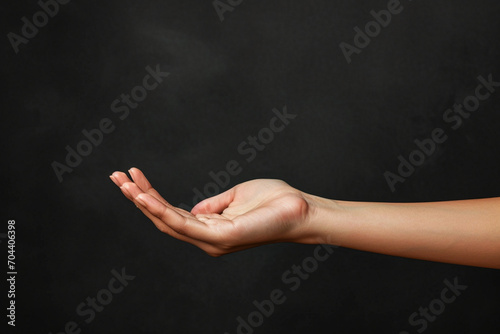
column 134, row 170
column 198, row 208
column 215, row 204
column 126, row 192
column 140, row 200
column 118, row 178
column 145, row 199
column 135, row 173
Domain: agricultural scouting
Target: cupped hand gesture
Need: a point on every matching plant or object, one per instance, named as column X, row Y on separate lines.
column 250, row 214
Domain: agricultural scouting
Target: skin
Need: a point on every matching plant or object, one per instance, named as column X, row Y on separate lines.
column 267, row 211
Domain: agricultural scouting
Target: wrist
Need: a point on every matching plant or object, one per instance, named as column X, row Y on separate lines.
column 328, row 221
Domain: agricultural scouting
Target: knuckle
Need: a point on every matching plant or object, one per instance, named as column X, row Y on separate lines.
column 226, row 247
column 212, row 254
column 182, row 228
column 162, row 228
column 215, row 251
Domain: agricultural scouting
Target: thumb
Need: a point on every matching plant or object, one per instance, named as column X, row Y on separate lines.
column 215, row 204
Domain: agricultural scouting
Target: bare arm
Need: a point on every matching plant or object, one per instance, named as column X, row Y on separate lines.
column 263, row 211
column 462, row 232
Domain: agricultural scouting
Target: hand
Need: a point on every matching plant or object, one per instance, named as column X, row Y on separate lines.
column 250, row 214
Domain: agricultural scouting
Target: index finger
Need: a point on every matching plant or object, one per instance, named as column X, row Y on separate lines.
column 142, row 182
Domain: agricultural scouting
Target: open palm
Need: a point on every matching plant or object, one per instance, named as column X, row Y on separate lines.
column 250, row 214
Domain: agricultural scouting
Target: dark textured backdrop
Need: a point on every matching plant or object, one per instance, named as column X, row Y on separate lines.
column 353, row 122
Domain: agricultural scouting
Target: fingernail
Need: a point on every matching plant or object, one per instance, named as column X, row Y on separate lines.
column 140, row 200
column 125, row 190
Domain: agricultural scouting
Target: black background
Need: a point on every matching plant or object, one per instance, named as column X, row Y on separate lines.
column 225, row 78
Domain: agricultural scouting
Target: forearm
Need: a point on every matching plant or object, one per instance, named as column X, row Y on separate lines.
column 462, row 232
